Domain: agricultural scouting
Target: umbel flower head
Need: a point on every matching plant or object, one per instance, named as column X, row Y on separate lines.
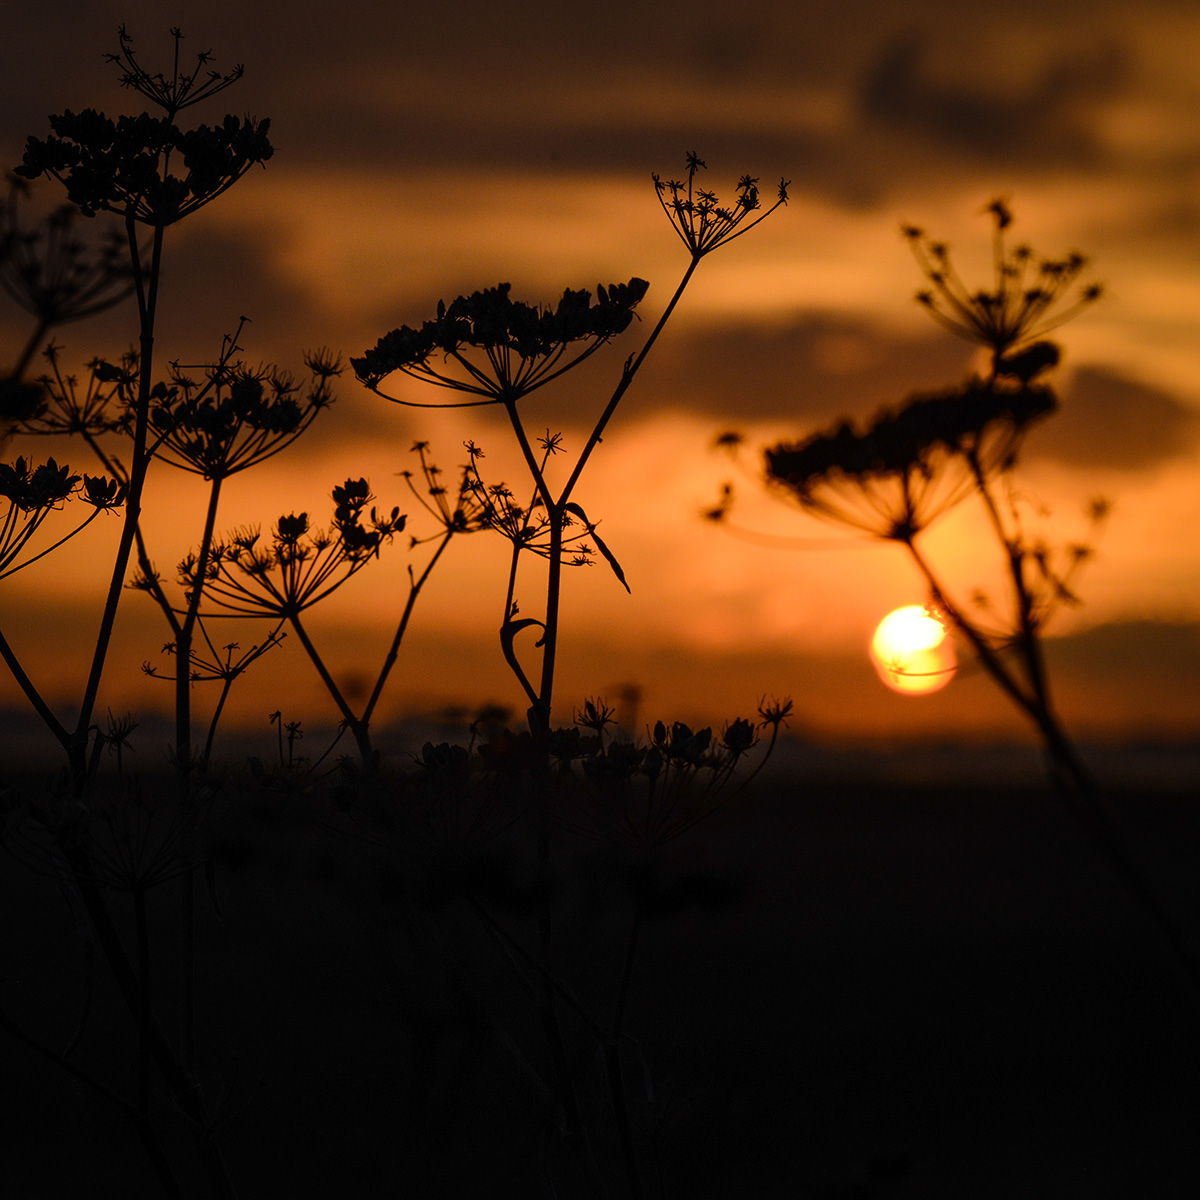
column 236, row 416
column 50, row 271
column 299, row 565
column 145, row 168
column 28, row 494
column 459, row 511
column 897, row 475
column 96, row 407
column 698, row 216
column 489, row 345
column 1029, row 295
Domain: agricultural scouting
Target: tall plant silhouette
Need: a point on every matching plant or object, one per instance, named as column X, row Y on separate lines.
column 892, row 478
column 493, row 350
column 497, row 351
column 149, row 173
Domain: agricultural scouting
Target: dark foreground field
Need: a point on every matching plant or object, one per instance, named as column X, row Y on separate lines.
column 846, row 991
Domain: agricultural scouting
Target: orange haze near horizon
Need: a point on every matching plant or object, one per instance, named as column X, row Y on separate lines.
column 396, row 184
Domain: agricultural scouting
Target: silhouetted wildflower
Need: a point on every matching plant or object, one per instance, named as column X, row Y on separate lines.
column 33, row 492
column 893, row 478
column 101, row 406
column 128, row 166
column 528, row 527
column 54, row 274
column 1029, row 295
column 504, row 348
column 465, row 510
column 210, row 663
column 651, row 792
column 299, row 566
column 235, row 416
column 698, row 216
column 181, row 90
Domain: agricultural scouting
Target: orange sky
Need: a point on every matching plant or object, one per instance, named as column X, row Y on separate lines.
column 433, row 154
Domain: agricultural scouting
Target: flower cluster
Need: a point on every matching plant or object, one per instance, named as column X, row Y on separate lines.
column 53, row 273
column 210, row 663
column 644, row 792
column 698, row 216
column 236, row 416
column 641, row 793
column 98, row 406
column 504, row 348
column 300, row 565
column 183, row 89
column 1029, row 295
column 528, row 527
column 32, row 493
column 124, row 166
column 908, row 466
column 131, row 166
column 460, row 511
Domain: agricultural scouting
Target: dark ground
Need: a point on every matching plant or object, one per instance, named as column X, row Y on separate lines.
column 856, row 991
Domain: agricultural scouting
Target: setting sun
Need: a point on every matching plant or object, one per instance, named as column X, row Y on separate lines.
column 911, row 652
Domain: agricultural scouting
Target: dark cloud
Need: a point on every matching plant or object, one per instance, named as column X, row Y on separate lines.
column 1162, row 656
column 1109, row 420
column 1042, row 119
column 819, row 367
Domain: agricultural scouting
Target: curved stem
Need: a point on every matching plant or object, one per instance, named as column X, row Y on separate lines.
column 550, row 634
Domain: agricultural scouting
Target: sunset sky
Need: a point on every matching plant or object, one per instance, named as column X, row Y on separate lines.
column 423, row 152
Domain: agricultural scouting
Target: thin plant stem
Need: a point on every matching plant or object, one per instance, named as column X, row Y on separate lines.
column 414, row 591
column 183, row 640
column 147, row 297
column 30, row 349
column 34, row 696
column 627, row 375
column 1074, row 782
column 357, row 727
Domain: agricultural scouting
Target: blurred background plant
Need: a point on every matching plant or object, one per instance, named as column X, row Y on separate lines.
column 894, row 477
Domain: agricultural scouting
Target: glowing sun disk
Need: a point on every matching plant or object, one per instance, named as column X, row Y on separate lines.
column 911, row 652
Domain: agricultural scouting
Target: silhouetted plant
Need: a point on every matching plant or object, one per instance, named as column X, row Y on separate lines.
column 495, row 350
column 302, row 566
column 445, row 817
column 53, row 273
column 131, row 168
column 147, row 172
column 35, row 492
column 894, row 477
column 211, row 664
column 297, row 569
column 498, row 350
